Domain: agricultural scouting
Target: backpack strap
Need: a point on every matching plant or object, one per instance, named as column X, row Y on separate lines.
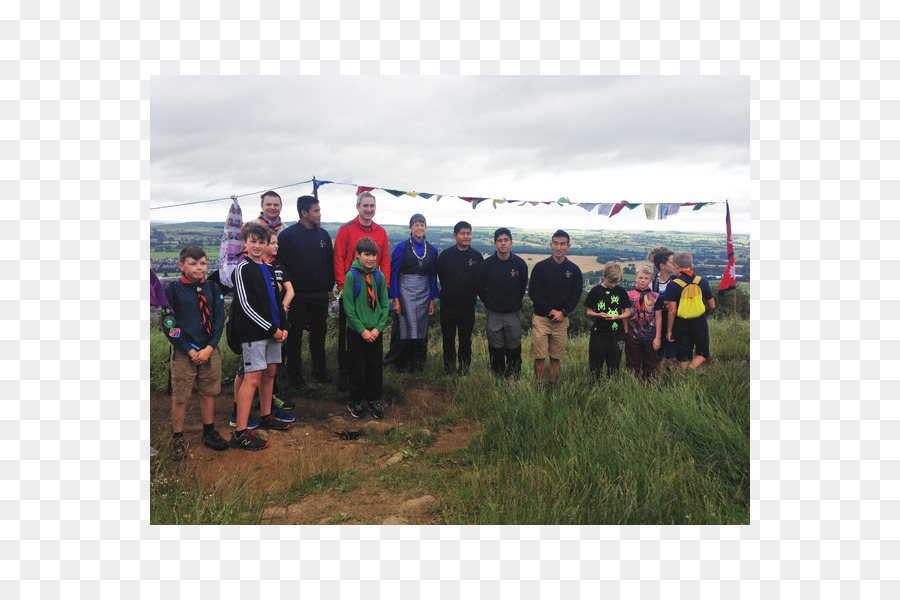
column 696, row 280
column 680, row 282
column 357, row 281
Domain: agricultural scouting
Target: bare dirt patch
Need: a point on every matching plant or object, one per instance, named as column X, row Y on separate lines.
column 328, row 460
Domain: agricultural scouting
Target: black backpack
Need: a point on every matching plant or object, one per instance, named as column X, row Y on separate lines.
column 231, row 328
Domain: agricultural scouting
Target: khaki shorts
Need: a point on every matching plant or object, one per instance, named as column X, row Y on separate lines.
column 184, row 372
column 547, row 335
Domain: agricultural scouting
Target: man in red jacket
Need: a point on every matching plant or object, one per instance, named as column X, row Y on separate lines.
column 344, row 253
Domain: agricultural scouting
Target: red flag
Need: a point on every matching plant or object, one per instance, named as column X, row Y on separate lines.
column 728, row 282
column 364, row 188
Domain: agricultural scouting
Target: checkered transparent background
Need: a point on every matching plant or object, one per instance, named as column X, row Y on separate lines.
column 73, row 148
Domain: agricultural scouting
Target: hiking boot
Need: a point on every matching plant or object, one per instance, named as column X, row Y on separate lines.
column 179, row 452
column 322, row 377
column 343, row 383
column 247, row 442
column 215, row 441
column 283, row 404
column 272, row 424
column 376, row 409
column 251, row 424
column 280, row 415
column 356, row 410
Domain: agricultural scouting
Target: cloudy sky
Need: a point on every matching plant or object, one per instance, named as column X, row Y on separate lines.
column 591, row 139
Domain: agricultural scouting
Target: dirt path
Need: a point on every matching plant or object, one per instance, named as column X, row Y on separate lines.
column 328, row 468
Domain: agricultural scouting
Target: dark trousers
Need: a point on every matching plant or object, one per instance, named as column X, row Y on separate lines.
column 364, row 368
column 406, row 355
column 506, row 362
column 605, row 349
column 343, row 357
column 640, row 356
column 313, row 311
column 453, row 319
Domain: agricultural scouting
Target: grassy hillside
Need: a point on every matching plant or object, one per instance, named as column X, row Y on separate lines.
column 618, row 451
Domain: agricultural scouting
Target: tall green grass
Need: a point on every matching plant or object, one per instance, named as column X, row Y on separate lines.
column 617, row 451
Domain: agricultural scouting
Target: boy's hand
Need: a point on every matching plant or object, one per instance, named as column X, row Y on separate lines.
column 367, row 335
column 430, row 307
column 556, row 316
column 375, row 333
column 397, row 306
column 669, row 337
column 656, row 344
column 279, row 335
column 202, row 356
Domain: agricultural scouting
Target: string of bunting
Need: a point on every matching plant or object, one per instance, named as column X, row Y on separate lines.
column 655, row 210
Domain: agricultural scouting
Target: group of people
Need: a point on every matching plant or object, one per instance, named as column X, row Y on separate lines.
column 291, row 275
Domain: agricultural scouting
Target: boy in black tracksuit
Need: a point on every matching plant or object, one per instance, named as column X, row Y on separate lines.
column 457, row 268
column 260, row 326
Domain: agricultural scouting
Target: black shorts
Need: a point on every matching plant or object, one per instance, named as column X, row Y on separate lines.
column 687, row 341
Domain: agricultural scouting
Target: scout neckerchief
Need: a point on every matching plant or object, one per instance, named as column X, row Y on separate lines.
column 640, row 304
column 273, row 226
column 370, row 289
column 204, row 303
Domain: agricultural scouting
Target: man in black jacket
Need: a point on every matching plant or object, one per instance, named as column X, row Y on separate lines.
column 306, row 251
column 457, row 267
column 555, row 289
column 501, row 283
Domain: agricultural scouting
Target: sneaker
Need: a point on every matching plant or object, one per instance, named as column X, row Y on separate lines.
column 356, row 410
column 283, row 404
column 322, row 377
column 215, row 441
column 273, row 424
column 376, row 409
column 179, row 452
column 280, row 415
column 343, row 383
column 251, row 424
column 247, row 442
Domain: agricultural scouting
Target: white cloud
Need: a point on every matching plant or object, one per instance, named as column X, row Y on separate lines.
column 655, row 139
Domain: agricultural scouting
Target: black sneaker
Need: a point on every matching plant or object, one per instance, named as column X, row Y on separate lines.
column 343, row 383
column 272, row 424
column 283, row 404
column 179, row 452
column 247, row 442
column 215, row 441
column 356, row 410
column 376, row 409
column 322, row 377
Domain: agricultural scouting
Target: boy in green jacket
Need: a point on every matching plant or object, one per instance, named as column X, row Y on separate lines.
column 366, row 304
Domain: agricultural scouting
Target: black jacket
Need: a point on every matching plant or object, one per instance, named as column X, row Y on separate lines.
column 501, row 284
column 308, row 257
column 256, row 305
column 555, row 287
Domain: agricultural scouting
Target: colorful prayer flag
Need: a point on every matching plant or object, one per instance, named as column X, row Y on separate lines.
column 231, row 247
column 728, row 280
